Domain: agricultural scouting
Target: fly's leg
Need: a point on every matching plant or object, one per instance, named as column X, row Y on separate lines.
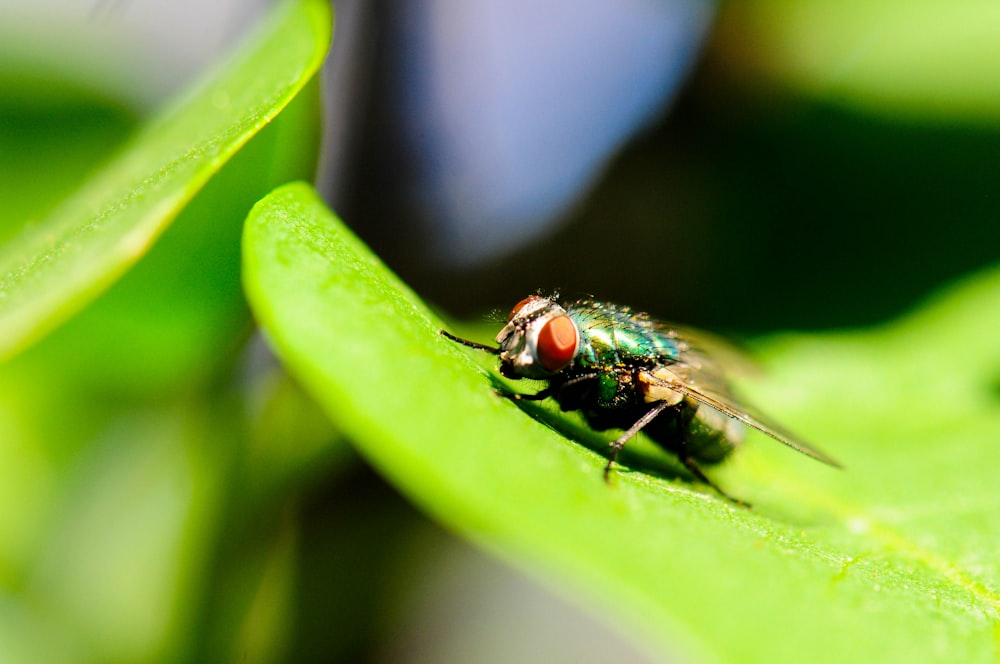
column 549, row 391
column 617, row 446
column 517, row 396
column 700, row 475
column 682, row 454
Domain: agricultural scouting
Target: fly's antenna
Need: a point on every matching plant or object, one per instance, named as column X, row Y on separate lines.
column 471, row 344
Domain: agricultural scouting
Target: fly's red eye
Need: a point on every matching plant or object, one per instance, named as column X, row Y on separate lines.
column 557, row 343
column 521, row 305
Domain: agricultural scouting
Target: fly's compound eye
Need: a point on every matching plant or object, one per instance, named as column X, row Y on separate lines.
column 521, row 305
column 557, row 343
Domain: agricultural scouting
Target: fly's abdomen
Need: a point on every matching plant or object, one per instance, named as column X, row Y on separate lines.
column 695, row 431
column 711, row 435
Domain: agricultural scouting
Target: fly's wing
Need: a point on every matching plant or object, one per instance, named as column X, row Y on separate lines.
column 712, row 350
column 697, row 377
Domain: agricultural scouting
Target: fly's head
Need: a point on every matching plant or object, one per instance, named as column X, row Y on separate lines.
column 539, row 340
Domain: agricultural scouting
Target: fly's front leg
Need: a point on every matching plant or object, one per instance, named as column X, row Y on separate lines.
column 517, row 396
column 551, row 390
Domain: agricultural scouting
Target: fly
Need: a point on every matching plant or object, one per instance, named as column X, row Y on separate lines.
column 625, row 370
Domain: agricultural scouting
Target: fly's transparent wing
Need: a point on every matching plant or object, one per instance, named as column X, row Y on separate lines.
column 712, row 349
column 698, row 378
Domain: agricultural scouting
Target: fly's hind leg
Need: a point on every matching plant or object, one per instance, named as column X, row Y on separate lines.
column 679, row 445
column 700, row 475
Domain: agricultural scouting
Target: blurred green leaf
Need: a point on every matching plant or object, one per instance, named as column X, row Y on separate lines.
column 924, row 59
column 165, row 533
column 160, row 531
column 128, row 463
column 169, row 329
column 178, row 317
column 63, row 261
column 890, row 560
column 49, row 152
column 134, row 530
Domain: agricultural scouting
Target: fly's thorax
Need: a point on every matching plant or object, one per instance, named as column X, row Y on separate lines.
column 611, row 334
column 539, row 340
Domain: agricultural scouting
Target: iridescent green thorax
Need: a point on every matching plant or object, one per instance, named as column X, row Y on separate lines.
column 612, row 335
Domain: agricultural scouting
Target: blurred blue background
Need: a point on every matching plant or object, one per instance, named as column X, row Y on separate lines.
column 804, row 176
column 507, row 112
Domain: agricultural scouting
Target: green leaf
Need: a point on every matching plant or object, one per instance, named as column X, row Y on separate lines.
column 48, row 154
column 60, row 263
column 156, row 531
column 178, row 318
column 890, row 560
column 923, row 59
